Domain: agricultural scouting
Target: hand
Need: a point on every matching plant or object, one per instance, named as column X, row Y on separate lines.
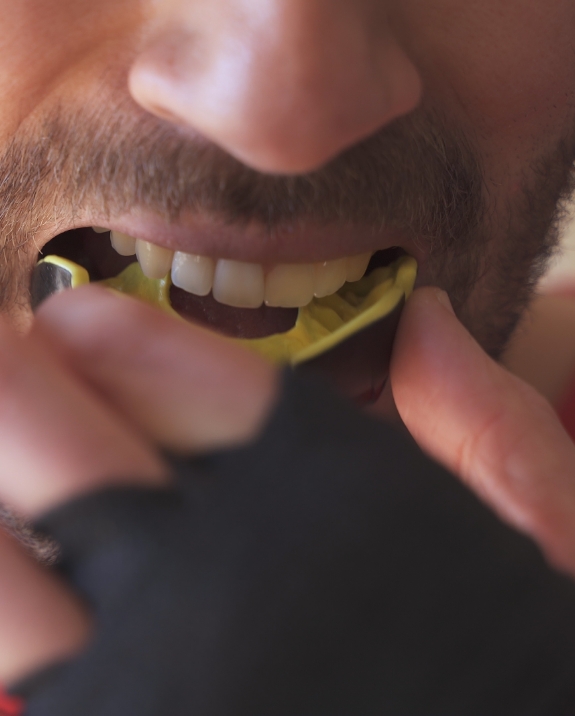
column 102, row 371
column 485, row 425
column 86, row 401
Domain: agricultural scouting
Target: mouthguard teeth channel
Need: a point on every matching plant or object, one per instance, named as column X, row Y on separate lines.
column 238, row 283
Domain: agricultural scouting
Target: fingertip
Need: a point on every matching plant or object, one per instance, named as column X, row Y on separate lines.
column 92, row 321
column 185, row 386
column 86, row 304
column 424, row 338
column 64, row 300
column 436, row 363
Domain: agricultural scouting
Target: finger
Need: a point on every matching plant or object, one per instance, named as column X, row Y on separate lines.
column 184, row 386
column 58, row 439
column 484, row 424
column 41, row 621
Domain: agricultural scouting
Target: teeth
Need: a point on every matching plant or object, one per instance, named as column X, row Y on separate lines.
column 125, row 245
column 330, row 277
column 290, row 285
column 357, row 266
column 239, row 284
column 99, row 229
column 155, row 261
column 193, row 273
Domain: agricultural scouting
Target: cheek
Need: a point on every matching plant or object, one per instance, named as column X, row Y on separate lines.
column 47, row 46
column 506, row 70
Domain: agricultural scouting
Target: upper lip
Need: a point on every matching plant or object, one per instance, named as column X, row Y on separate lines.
column 302, row 242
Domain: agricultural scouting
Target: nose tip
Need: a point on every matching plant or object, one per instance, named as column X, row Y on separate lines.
column 284, row 92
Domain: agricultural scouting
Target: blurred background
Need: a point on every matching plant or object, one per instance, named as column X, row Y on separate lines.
column 542, row 349
column 561, row 272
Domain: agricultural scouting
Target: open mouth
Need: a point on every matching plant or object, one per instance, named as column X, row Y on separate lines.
column 338, row 316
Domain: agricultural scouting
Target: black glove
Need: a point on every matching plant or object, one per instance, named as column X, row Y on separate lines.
column 329, row 568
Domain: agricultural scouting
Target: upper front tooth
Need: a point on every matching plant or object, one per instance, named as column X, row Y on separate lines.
column 154, row 260
column 357, row 266
column 124, row 244
column 290, row 285
column 239, row 284
column 330, row 277
column 99, row 229
column 193, row 273
column 245, row 285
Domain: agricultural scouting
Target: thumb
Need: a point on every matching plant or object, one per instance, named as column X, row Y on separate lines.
column 488, row 427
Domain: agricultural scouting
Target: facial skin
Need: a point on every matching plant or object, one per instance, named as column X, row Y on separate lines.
column 275, row 130
column 294, row 130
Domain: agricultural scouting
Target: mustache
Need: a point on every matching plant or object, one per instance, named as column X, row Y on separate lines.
column 416, row 174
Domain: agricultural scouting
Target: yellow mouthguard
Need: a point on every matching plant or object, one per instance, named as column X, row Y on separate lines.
column 320, row 326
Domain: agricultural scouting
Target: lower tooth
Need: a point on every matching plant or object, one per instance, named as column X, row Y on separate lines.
column 155, row 261
column 125, row 245
column 290, row 285
column 193, row 273
column 239, row 284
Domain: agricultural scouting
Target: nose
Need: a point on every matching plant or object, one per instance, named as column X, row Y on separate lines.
column 282, row 85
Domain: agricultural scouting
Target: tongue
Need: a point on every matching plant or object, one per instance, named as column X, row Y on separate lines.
column 234, row 322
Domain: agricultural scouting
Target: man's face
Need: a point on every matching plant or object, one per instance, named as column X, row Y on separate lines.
column 292, row 132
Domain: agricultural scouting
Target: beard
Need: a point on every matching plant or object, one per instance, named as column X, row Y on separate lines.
column 420, row 176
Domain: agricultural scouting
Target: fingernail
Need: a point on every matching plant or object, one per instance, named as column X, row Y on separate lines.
column 443, row 298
